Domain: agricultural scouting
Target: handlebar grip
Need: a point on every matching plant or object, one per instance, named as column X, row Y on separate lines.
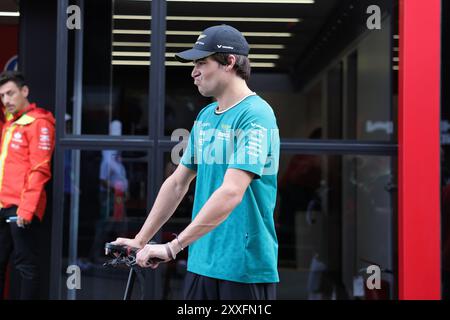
column 120, row 249
column 128, row 251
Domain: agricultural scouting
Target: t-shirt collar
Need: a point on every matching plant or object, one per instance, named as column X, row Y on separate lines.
column 234, row 105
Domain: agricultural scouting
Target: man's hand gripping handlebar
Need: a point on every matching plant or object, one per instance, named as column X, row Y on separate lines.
column 123, row 254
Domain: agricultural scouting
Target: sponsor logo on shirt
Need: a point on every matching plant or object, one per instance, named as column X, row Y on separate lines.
column 256, row 145
column 44, row 140
column 17, row 137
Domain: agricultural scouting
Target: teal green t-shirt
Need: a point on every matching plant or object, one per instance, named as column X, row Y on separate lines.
column 243, row 248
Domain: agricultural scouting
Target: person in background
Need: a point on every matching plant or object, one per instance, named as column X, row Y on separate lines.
column 27, row 145
column 113, row 195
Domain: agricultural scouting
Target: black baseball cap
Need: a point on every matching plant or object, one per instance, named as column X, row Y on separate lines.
column 222, row 38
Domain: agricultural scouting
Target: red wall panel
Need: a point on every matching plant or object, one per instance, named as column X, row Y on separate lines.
column 419, row 150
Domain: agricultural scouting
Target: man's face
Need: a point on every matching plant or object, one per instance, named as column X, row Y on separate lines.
column 14, row 98
column 208, row 76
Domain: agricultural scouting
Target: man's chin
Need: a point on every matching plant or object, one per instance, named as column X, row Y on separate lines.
column 205, row 94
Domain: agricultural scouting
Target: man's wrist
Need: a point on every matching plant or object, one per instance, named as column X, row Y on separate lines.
column 174, row 247
column 141, row 241
column 178, row 242
column 171, row 251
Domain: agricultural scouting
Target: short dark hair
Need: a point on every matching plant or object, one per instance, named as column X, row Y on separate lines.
column 14, row 76
column 242, row 65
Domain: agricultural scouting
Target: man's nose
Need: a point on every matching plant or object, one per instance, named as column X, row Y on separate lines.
column 195, row 72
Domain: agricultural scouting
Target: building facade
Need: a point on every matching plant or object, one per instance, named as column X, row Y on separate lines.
column 357, row 90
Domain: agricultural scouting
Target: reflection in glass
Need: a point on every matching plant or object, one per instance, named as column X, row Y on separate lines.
column 322, row 68
column 175, row 271
column 107, row 83
column 335, row 218
column 108, row 201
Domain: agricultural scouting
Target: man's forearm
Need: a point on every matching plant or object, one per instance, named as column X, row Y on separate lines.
column 214, row 212
column 168, row 199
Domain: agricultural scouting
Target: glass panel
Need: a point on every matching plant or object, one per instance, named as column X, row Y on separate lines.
column 336, row 217
column 316, row 64
column 105, row 197
column 110, row 76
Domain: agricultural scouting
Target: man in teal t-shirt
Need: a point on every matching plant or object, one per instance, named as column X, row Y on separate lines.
column 233, row 150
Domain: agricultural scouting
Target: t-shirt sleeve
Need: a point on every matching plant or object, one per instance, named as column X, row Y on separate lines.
column 256, row 145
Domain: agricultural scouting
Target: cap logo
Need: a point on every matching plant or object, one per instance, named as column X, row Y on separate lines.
column 199, row 38
column 224, row 47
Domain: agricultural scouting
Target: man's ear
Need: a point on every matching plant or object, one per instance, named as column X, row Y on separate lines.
column 25, row 91
column 231, row 61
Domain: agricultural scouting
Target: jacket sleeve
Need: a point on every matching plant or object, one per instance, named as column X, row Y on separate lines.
column 41, row 137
